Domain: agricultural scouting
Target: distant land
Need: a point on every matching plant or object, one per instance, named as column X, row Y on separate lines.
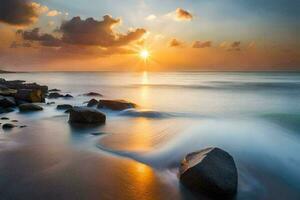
column 5, row 72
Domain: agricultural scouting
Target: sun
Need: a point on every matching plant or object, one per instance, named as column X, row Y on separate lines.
column 144, row 54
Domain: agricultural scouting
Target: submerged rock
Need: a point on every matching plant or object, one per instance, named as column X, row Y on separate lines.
column 86, row 116
column 54, row 90
column 93, row 94
column 7, row 126
column 28, row 107
column 115, row 104
column 54, row 95
column 92, row 102
column 4, row 118
column 211, row 171
column 68, row 96
column 64, row 107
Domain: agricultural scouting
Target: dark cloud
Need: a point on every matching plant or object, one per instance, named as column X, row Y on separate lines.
column 183, row 14
column 100, row 33
column 87, row 32
column 44, row 39
column 19, row 12
column 199, row 44
column 175, row 43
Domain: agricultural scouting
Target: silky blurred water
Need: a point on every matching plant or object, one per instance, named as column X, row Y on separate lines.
column 253, row 116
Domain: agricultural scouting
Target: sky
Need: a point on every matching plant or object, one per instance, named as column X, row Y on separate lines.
column 108, row 35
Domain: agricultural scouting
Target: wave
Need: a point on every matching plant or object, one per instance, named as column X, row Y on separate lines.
column 229, row 85
column 145, row 114
column 290, row 121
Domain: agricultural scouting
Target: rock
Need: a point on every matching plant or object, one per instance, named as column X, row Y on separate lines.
column 28, row 107
column 23, row 126
column 92, row 102
column 4, row 118
column 211, row 171
column 86, row 116
column 93, row 94
column 50, row 103
column 68, row 96
column 64, row 107
column 6, row 110
column 14, row 120
column 54, row 90
column 7, row 126
column 115, row 104
column 96, row 133
column 54, row 95
column 6, row 102
column 68, row 110
column 31, row 95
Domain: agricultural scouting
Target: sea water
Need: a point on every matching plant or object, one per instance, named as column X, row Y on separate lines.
column 253, row 116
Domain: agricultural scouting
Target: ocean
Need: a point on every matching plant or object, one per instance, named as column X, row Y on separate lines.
column 255, row 116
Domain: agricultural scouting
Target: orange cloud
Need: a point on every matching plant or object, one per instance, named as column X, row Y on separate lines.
column 175, row 43
column 199, row 44
column 180, row 15
column 183, row 14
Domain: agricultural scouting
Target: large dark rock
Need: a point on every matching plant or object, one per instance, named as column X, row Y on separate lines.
column 6, row 102
column 115, row 104
column 211, row 171
column 85, row 115
column 92, row 102
column 29, row 107
column 64, row 107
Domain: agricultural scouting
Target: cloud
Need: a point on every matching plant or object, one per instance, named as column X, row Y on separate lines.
column 175, row 43
column 199, row 44
column 183, row 14
column 20, row 12
column 53, row 13
column 89, row 32
column 44, row 39
column 233, row 46
column 180, row 15
column 151, row 17
column 100, row 33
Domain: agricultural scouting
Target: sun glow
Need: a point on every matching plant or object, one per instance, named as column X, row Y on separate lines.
column 144, row 54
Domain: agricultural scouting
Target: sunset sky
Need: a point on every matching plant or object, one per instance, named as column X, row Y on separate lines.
column 77, row 35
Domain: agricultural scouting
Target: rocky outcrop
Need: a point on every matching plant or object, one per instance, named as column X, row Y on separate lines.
column 29, row 107
column 83, row 115
column 211, row 171
column 31, row 95
column 115, row 104
column 22, row 91
column 64, row 107
column 92, row 102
